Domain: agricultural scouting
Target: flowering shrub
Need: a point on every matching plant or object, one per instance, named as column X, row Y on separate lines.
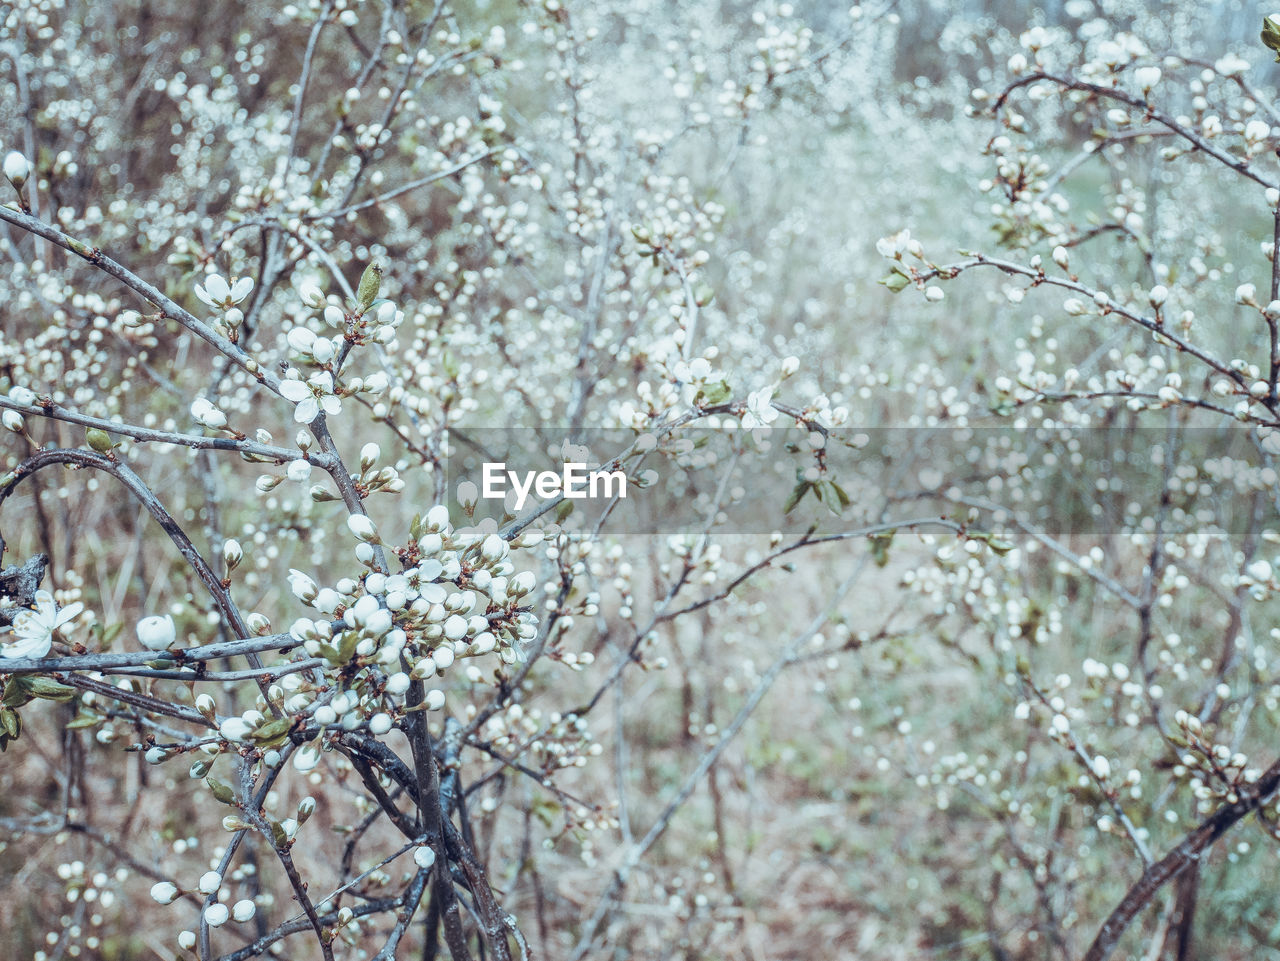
column 928, row 623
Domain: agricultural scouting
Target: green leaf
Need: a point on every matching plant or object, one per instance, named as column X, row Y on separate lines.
column 824, row 491
column 999, row 545
column 880, row 547
column 1271, row 34
column 797, row 494
column 896, row 280
column 716, row 393
column 221, row 792
column 278, row 834
column 273, row 732
column 85, row 718
column 50, row 690
column 841, row 496
column 10, row 722
column 347, row 648
column 370, row 281
column 17, row 692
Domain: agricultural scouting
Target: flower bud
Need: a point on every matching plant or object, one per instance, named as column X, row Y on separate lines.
column 494, row 548
column 244, row 910
column 303, row 587
column 209, row 883
column 16, row 168
column 156, row 633
column 99, row 440
column 363, row 528
column 397, row 683
column 165, row 892
column 1271, row 34
column 306, row 807
column 206, row 705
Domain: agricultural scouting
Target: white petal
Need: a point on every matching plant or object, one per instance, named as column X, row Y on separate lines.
column 306, row 411
column 240, row 289
column 294, row 390
column 29, row 646
column 204, row 296
column 68, row 613
column 217, row 288
column 301, row 339
column 48, row 611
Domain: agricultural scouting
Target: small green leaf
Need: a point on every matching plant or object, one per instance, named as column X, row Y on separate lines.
column 824, row 490
column 50, row 690
column 347, row 648
column 880, row 544
column 716, row 393
column 278, row 834
column 999, row 545
column 17, row 692
column 221, row 792
column 896, row 280
column 10, row 721
column 1271, row 34
column 797, row 494
column 84, row 719
column 841, row 496
column 273, row 732
column 370, row 281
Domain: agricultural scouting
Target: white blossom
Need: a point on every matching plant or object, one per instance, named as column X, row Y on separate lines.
column 760, row 412
column 311, row 396
column 220, row 295
column 35, row 628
